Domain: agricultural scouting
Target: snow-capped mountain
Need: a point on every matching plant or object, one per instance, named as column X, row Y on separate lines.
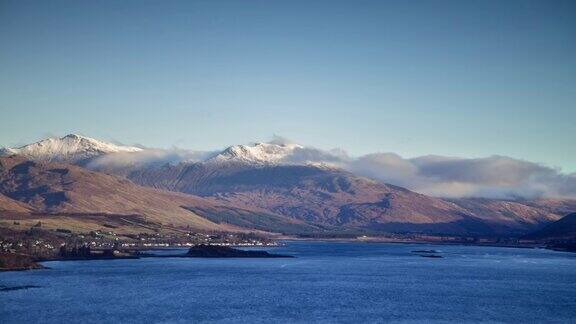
column 70, row 148
column 79, row 149
column 262, row 153
column 100, row 155
column 288, row 181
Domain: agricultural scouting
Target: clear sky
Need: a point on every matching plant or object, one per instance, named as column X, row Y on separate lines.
column 459, row 78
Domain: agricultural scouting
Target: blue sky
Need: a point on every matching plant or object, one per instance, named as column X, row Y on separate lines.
column 458, row 78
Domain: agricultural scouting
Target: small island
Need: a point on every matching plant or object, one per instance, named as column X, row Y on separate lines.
column 434, row 254
column 216, row 251
column 425, row 251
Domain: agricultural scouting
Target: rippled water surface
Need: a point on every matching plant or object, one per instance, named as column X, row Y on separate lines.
column 326, row 282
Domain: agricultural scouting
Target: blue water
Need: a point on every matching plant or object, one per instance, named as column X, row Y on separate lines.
column 327, row 282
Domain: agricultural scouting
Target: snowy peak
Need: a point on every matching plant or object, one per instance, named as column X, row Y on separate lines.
column 70, row 148
column 265, row 153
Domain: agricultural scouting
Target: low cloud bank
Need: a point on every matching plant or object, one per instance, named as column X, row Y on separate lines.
column 489, row 177
column 148, row 157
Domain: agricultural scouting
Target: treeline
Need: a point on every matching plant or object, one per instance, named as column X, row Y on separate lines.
column 82, row 251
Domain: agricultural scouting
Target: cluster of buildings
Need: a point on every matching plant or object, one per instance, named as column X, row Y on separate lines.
column 46, row 243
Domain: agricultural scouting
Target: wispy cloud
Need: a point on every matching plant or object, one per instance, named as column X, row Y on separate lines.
column 490, row 177
column 148, row 157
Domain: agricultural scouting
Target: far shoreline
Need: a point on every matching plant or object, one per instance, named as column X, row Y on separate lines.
column 38, row 264
column 376, row 240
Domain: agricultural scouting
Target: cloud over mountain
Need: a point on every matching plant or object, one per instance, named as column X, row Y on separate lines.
column 149, row 156
column 489, row 177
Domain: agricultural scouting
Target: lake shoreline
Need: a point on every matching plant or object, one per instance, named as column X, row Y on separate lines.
column 20, row 262
column 376, row 240
column 36, row 264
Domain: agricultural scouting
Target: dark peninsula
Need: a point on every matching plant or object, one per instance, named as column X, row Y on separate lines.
column 216, row 251
column 17, row 261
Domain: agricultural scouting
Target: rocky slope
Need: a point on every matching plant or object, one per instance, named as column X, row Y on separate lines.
column 9, row 204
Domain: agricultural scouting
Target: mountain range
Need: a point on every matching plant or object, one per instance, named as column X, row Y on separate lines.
column 273, row 187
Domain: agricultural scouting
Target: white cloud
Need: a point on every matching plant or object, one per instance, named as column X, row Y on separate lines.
column 148, row 157
column 490, row 177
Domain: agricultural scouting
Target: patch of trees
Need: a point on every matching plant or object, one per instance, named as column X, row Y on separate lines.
column 82, row 251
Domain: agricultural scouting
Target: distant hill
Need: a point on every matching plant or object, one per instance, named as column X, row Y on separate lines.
column 562, row 229
column 514, row 216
